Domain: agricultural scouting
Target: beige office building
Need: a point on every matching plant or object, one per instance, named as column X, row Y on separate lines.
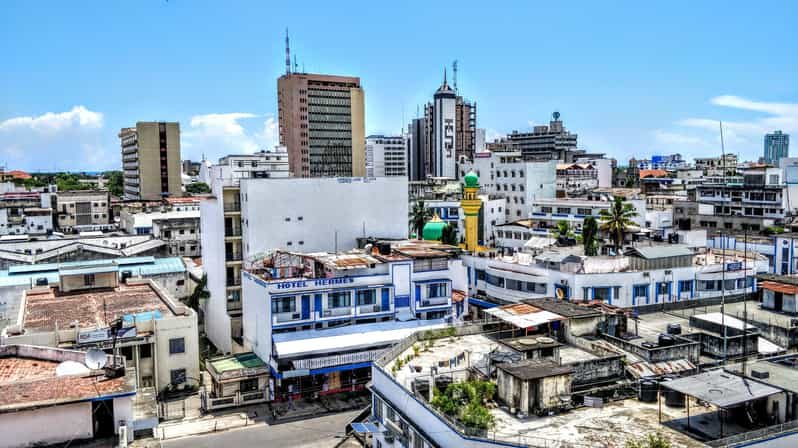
column 322, row 124
column 151, row 160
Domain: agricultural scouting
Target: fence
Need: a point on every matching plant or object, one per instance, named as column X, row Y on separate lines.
column 753, row 435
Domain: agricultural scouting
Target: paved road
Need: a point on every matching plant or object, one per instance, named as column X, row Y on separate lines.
column 322, row 432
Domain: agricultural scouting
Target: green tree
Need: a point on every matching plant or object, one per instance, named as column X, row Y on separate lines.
column 650, row 441
column 419, row 216
column 617, row 220
column 198, row 188
column 69, row 181
column 590, row 236
column 562, row 230
column 115, row 182
column 200, row 292
column 464, row 401
column 449, row 235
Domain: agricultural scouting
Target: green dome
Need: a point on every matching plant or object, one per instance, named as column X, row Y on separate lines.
column 433, row 230
column 471, row 180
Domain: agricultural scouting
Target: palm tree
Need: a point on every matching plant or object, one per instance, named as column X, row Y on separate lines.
column 617, row 220
column 200, row 292
column 589, row 236
column 420, row 216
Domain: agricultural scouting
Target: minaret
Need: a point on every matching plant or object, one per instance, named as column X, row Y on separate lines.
column 471, row 205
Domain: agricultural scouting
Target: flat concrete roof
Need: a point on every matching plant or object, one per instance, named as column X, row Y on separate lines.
column 721, row 388
column 531, row 369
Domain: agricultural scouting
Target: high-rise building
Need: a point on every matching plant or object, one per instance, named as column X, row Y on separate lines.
column 777, row 146
column 386, row 156
column 441, row 133
column 465, row 119
column 322, row 124
column 151, row 160
column 552, row 142
column 417, row 162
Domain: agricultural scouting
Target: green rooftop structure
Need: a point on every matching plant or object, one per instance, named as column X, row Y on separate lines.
column 471, row 180
column 236, row 362
column 433, row 230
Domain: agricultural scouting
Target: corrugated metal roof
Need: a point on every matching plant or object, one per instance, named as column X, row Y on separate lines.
column 664, row 251
column 720, row 388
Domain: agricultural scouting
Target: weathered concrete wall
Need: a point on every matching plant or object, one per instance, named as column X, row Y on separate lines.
column 597, row 370
column 685, row 349
column 549, row 391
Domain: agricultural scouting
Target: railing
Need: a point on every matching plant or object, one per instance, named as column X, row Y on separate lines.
column 755, row 434
column 233, row 257
column 335, row 312
column 366, row 309
column 234, row 281
column 239, row 399
column 285, row 317
column 435, row 301
column 232, row 231
column 232, row 206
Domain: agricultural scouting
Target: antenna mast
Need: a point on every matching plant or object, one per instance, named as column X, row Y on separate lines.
column 287, row 54
column 722, row 151
column 454, row 75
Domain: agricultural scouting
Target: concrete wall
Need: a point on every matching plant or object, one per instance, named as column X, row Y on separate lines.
column 597, row 370
column 50, row 425
column 312, row 214
column 358, row 114
column 78, row 282
column 176, row 327
column 217, row 321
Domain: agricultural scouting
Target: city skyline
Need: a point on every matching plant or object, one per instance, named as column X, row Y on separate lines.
column 628, row 80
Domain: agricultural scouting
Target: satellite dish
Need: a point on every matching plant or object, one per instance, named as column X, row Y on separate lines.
column 555, row 115
column 96, row 359
column 71, row 368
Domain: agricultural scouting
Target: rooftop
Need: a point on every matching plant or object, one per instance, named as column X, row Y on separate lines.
column 237, row 362
column 565, row 308
column 661, row 251
column 28, row 378
column 531, row 369
column 452, row 355
column 47, row 310
column 720, row 388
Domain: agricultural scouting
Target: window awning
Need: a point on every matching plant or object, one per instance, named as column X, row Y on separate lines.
column 364, row 428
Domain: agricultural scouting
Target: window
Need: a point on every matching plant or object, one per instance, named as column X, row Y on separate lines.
column 639, row 291
column 177, row 345
column 180, row 282
column 88, row 279
column 366, row 297
column 436, row 290
column 685, row 286
column 662, row 288
column 248, row 385
column 178, row 376
column 338, row 300
column 283, row 305
column 145, row 351
column 377, row 408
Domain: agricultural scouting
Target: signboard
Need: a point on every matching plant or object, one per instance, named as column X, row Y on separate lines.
column 735, row 266
column 317, row 282
column 104, row 334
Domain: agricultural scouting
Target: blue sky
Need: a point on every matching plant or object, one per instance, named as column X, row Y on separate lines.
column 632, row 79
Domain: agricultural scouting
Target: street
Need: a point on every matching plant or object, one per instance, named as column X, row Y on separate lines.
column 322, row 432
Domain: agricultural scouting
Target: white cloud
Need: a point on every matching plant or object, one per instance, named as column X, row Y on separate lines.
column 68, row 140
column 743, row 137
column 215, row 135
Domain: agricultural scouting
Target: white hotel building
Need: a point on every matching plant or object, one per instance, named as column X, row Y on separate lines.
column 643, row 276
column 318, row 319
column 251, row 214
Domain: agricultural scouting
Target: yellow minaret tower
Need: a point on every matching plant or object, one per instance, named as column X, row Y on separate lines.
column 471, row 205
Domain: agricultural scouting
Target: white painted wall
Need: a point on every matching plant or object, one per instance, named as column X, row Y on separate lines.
column 312, row 213
column 49, row 425
column 217, row 321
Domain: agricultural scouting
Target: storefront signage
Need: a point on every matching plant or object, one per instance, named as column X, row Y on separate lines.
column 104, row 334
column 736, row 266
column 317, row 282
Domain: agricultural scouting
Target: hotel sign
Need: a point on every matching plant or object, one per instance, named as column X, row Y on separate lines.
column 316, row 282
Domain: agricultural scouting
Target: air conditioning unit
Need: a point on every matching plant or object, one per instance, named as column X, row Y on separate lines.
column 327, row 313
column 295, row 316
column 646, row 274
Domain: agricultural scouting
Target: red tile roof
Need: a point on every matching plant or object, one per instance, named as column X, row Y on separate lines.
column 26, row 382
column 653, row 173
column 18, row 174
column 46, row 310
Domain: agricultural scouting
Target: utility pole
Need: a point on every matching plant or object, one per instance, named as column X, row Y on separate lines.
column 723, row 298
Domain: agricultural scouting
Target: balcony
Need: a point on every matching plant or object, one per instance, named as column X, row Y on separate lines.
column 232, row 207
column 336, row 312
column 233, row 281
column 369, row 309
column 233, row 256
column 279, row 318
column 233, row 305
column 435, row 301
column 234, row 231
